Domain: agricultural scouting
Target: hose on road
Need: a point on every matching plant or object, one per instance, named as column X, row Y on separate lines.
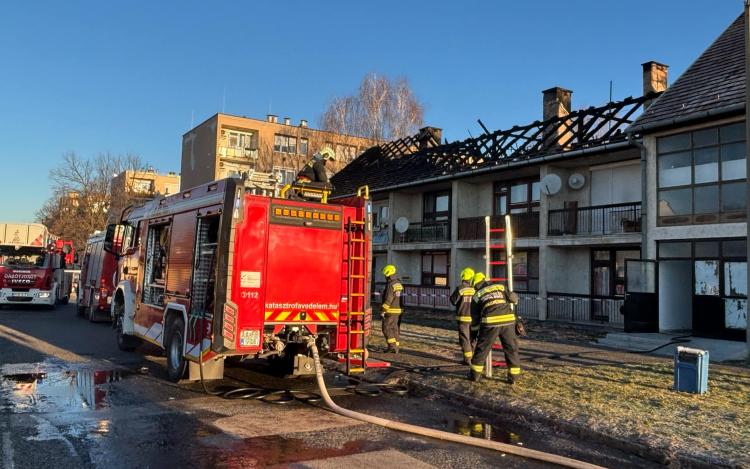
column 441, row 435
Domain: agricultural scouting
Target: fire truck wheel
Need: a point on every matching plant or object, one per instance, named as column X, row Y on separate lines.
column 53, row 306
column 176, row 363
column 65, row 301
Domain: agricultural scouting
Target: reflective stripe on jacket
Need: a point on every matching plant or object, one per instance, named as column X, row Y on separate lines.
column 490, row 306
column 392, row 297
column 461, row 299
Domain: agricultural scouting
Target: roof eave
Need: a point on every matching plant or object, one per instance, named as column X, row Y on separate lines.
column 694, row 118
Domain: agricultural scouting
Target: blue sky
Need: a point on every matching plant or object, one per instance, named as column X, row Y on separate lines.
column 127, row 76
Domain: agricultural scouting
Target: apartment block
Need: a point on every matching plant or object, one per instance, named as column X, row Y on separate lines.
column 225, row 146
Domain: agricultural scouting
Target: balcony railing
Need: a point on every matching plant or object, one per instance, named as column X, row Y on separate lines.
column 419, row 296
column 585, row 308
column 598, row 220
column 240, row 153
column 420, row 233
column 524, row 225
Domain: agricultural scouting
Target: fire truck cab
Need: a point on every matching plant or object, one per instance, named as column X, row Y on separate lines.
column 229, row 269
column 32, row 266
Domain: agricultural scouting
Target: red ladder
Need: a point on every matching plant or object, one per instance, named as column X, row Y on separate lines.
column 508, row 262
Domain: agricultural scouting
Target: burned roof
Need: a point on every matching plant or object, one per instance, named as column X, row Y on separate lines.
column 421, row 157
column 716, row 80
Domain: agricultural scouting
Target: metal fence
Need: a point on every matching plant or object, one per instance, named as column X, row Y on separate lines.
column 421, row 233
column 417, row 295
column 585, row 308
column 528, row 305
column 602, row 219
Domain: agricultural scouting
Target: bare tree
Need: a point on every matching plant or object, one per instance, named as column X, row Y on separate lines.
column 382, row 109
column 83, row 198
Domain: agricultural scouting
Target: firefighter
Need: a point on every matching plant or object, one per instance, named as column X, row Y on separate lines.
column 461, row 299
column 315, row 169
column 391, row 308
column 492, row 313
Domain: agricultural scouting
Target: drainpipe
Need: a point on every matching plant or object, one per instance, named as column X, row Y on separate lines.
column 644, row 196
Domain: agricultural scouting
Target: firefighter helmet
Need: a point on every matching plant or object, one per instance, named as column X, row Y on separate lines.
column 467, row 274
column 478, row 277
column 389, row 270
column 326, row 154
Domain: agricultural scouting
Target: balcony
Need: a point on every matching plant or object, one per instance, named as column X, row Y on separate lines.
column 598, row 220
column 524, row 225
column 439, row 232
column 240, row 153
column 585, row 309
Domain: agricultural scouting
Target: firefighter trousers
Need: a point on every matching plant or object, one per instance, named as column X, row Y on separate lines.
column 485, row 340
column 391, row 327
column 467, row 339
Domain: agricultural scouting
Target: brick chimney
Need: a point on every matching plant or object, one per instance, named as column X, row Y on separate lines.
column 556, row 103
column 425, row 135
column 654, row 79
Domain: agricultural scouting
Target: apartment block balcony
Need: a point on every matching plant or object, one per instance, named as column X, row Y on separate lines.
column 240, row 153
column 439, row 232
column 524, row 225
column 597, row 220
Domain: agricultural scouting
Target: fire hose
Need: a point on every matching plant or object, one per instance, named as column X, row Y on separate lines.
column 441, row 435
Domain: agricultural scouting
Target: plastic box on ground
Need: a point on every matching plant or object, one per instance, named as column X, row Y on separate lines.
column 691, row 370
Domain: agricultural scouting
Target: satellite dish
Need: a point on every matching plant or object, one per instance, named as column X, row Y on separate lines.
column 402, row 224
column 551, row 184
column 576, row 180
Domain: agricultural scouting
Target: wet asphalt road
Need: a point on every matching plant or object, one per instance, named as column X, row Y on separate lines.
column 70, row 399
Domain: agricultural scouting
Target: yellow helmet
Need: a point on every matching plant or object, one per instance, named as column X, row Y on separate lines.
column 327, row 154
column 389, row 270
column 478, row 277
column 467, row 274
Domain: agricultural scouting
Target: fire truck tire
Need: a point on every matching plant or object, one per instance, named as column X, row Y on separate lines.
column 53, row 306
column 176, row 363
column 65, row 301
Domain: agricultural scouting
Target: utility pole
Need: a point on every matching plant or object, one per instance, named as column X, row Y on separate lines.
column 747, row 142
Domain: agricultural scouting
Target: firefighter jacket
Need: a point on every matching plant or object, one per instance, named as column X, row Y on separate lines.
column 461, row 299
column 490, row 306
column 314, row 170
column 392, row 297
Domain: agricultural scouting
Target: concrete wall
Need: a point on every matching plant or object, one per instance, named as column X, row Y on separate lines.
column 407, row 205
column 199, row 154
column 567, row 270
column 473, row 258
column 472, row 199
column 675, row 295
column 408, row 265
column 566, row 193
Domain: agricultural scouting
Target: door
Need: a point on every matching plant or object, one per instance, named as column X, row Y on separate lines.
column 641, row 308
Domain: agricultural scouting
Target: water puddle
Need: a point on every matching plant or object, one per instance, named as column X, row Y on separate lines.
column 59, row 391
column 477, row 428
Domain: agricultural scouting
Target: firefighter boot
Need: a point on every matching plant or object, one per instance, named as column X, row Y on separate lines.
column 513, row 378
column 475, row 375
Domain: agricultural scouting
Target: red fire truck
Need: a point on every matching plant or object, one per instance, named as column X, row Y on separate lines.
column 32, row 266
column 228, row 269
column 96, row 282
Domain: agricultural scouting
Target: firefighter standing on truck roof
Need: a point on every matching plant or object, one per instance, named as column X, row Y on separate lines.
column 391, row 308
column 491, row 311
column 461, row 299
column 315, row 169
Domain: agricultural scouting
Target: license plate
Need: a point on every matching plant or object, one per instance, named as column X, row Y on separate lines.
column 20, row 294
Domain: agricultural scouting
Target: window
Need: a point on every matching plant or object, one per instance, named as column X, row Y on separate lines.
column 346, row 152
column 157, row 251
column 437, row 208
column 303, row 146
column 285, row 144
column 435, row 269
column 239, row 140
column 701, row 176
column 608, row 270
column 141, row 185
column 525, row 269
column 286, row 175
column 517, row 196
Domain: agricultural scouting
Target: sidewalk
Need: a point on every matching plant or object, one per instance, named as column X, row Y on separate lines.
column 617, row 398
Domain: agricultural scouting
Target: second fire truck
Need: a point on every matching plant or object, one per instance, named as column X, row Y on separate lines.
column 227, row 269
